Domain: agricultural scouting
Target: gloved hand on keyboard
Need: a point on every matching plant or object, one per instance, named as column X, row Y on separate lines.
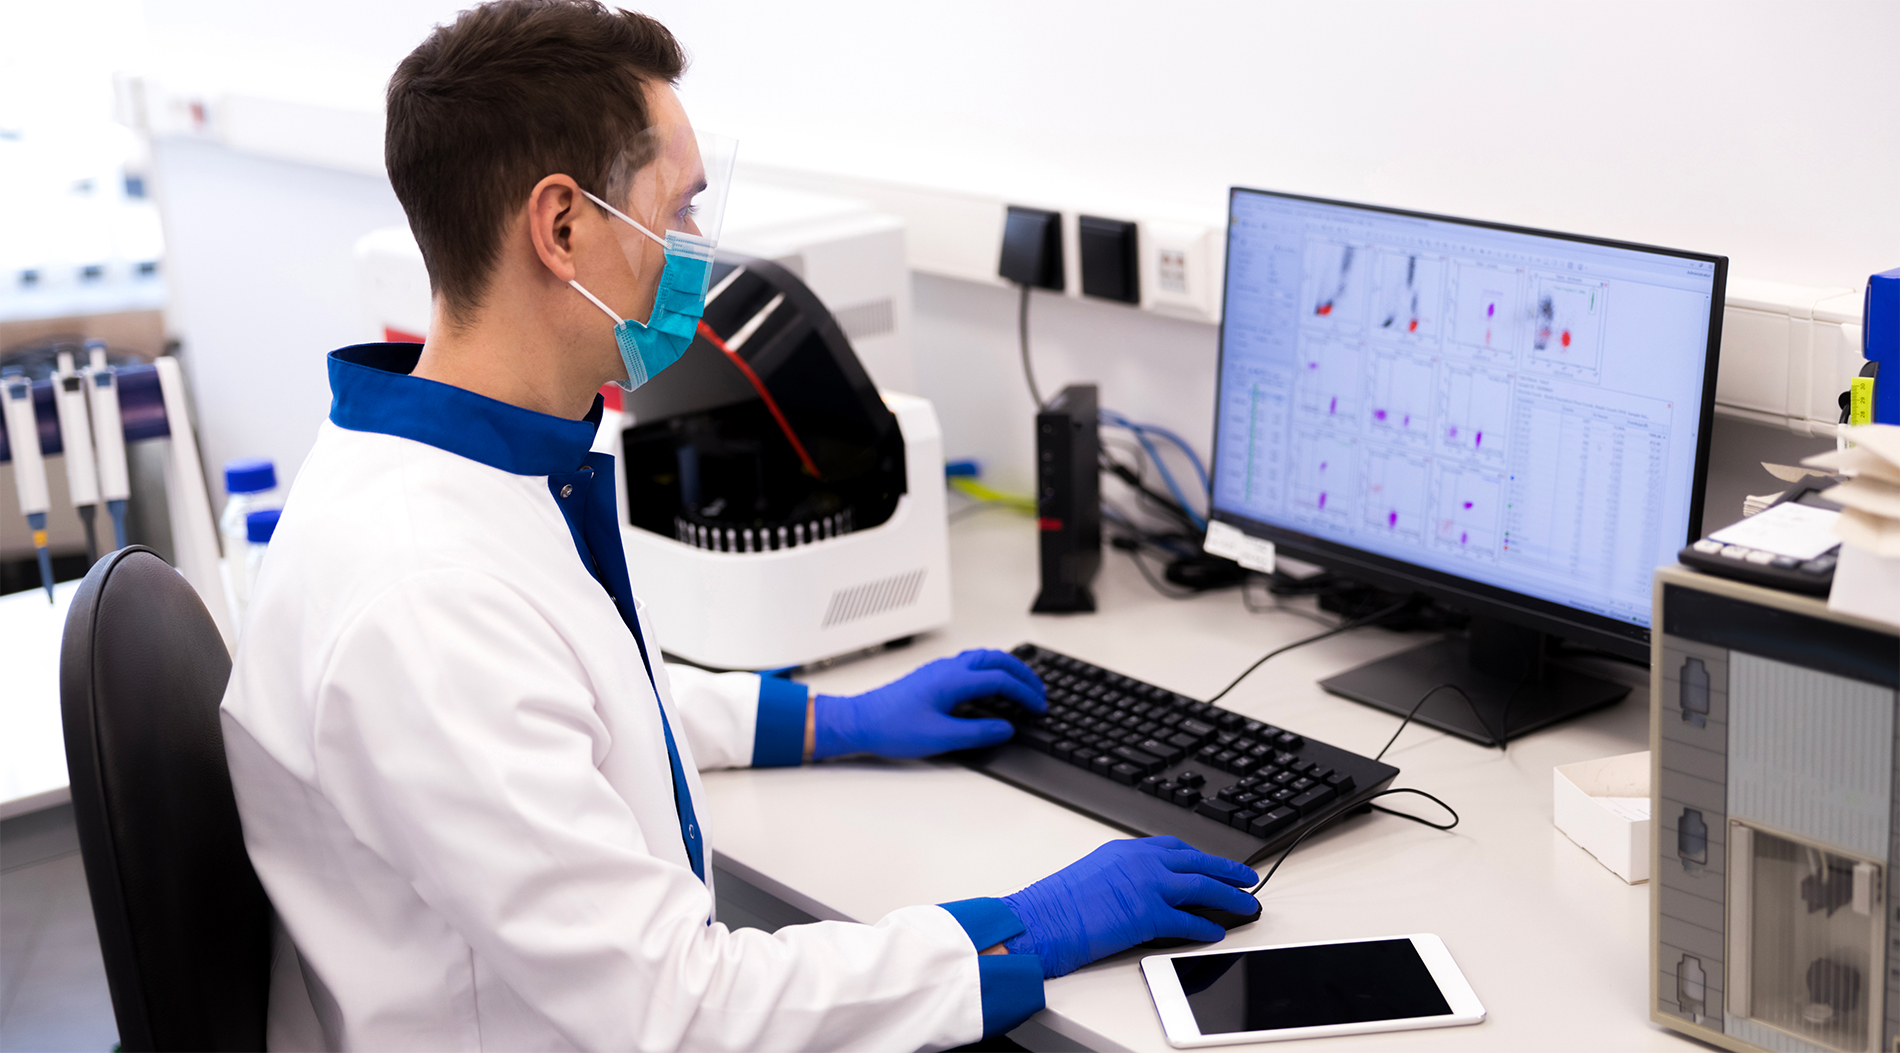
column 1122, row 894
column 911, row 717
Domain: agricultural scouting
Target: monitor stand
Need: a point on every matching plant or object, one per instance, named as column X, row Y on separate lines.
column 1513, row 687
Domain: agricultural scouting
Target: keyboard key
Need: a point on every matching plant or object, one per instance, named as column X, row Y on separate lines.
column 1220, row 810
column 1242, row 765
column 1301, row 784
column 1280, row 796
column 1285, row 759
column 1196, row 728
column 1313, row 800
column 1273, row 822
column 1185, row 742
column 1340, row 781
column 1243, row 745
column 1152, row 785
column 1124, row 773
column 1190, row 778
column 1037, row 739
column 1255, row 779
column 1229, row 720
column 1226, row 738
column 1146, row 763
column 1062, row 749
column 1083, row 757
column 1240, row 819
column 1186, row 796
column 1285, row 777
column 1251, row 726
column 1224, row 760
column 1167, row 751
column 1289, row 741
column 1103, row 764
column 1206, row 754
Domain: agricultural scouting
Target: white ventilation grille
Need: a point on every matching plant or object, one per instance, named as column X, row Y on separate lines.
column 866, row 319
column 862, row 601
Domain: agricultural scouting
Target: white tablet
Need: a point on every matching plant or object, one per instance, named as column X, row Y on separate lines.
column 1309, row 990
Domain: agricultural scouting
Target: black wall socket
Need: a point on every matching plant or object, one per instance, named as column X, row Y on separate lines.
column 1109, row 266
column 1032, row 248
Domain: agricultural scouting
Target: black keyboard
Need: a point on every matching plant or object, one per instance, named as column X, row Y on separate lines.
column 1152, row 762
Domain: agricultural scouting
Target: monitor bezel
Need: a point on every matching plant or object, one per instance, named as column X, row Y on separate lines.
column 1586, row 627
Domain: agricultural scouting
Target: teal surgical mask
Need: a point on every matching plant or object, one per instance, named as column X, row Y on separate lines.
column 646, row 348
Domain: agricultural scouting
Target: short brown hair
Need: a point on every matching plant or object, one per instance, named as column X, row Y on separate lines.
column 510, row 93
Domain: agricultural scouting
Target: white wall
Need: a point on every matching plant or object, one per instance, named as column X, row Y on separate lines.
column 1760, row 130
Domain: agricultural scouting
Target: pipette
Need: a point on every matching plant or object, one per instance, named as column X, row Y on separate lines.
column 108, row 437
column 75, row 436
column 29, row 468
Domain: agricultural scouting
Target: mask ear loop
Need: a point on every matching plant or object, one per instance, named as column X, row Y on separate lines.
column 595, row 300
column 629, row 219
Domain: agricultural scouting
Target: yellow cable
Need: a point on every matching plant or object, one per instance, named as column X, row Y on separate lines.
column 973, row 489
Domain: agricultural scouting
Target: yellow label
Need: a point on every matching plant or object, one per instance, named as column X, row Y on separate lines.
column 39, row 539
column 1860, row 401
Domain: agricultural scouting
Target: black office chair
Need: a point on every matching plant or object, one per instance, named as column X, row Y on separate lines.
column 184, row 926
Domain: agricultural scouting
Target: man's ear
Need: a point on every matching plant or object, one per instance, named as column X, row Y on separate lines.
column 553, row 207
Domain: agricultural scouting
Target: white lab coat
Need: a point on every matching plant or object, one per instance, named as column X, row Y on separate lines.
column 454, row 787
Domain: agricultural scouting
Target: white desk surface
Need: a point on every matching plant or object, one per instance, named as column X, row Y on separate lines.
column 32, row 742
column 1553, row 943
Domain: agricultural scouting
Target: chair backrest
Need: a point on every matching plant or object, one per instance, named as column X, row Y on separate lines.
column 184, row 926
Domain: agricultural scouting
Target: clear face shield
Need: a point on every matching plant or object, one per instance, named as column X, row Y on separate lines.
column 671, row 186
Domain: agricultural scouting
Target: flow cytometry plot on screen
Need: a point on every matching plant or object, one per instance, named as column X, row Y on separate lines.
column 1466, row 509
column 1322, row 476
column 1484, row 311
column 1399, row 399
column 1410, row 296
column 1394, row 500
column 1327, row 382
column 1335, row 286
column 1474, row 412
column 1567, row 323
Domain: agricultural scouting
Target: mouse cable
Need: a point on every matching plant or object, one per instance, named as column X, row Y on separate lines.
column 1315, row 638
column 1475, row 715
column 1022, row 333
column 1336, row 816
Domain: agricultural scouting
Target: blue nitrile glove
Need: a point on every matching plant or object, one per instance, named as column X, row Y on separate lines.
column 1122, row 894
column 911, row 717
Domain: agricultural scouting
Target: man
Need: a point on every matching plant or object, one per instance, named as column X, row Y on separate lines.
column 466, row 778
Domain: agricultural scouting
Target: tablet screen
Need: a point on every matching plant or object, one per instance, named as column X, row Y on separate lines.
column 1286, row 987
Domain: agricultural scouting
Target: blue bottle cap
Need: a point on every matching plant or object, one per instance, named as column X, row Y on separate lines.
column 249, row 475
column 261, row 524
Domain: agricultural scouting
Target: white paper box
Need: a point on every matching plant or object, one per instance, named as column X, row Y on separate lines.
column 1603, row 805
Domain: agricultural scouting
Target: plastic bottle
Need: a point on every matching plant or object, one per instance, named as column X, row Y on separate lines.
column 258, row 528
column 252, row 485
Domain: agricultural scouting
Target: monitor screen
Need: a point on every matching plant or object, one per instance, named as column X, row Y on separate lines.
column 1516, row 415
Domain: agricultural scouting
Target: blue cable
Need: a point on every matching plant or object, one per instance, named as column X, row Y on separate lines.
column 1141, row 432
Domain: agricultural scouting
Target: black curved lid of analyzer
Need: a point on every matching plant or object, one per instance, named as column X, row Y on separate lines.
column 705, row 452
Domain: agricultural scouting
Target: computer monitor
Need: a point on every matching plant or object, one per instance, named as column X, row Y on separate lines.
column 1514, row 422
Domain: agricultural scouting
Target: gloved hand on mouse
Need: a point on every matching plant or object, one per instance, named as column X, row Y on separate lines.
column 1123, row 894
column 911, row 717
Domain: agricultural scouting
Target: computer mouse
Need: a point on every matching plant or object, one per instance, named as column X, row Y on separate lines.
column 1226, row 919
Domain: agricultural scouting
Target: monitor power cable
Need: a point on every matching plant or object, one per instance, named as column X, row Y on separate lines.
column 1369, row 619
column 1336, row 816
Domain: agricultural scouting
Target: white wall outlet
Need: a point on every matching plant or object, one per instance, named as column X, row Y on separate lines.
column 1180, row 269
